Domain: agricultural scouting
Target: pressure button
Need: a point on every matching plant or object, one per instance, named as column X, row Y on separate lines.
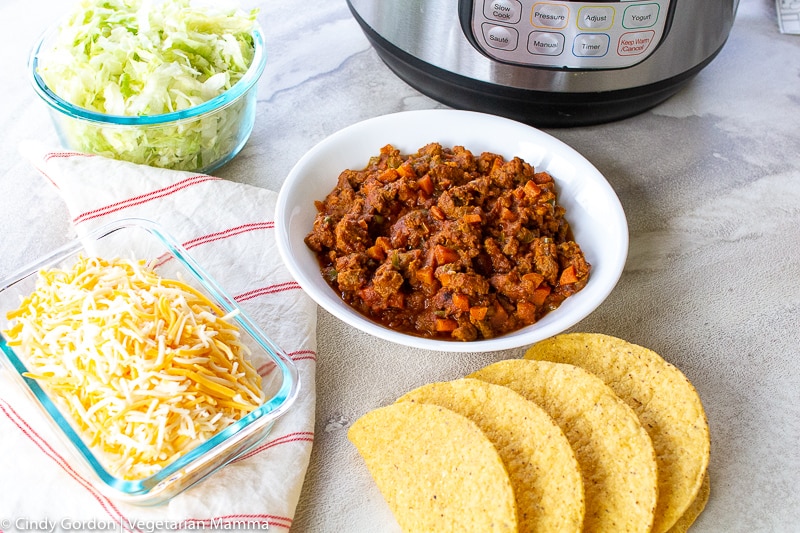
column 545, row 15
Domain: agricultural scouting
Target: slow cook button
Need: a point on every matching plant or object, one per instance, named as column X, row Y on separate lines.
column 545, row 43
column 595, row 18
column 500, row 37
column 590, row 45
column 635, row 42
column 554, row 16
column 509, row 11
column 640, row 16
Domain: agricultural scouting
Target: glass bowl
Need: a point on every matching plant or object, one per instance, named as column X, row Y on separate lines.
column 144, row 240
column 201, row 138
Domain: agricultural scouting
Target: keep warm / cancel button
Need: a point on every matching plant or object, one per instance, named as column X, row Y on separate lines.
column 635, row 43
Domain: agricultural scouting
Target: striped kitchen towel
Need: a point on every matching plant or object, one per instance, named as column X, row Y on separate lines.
column 228, row 228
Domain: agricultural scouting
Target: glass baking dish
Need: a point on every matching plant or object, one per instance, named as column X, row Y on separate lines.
column 144, row 240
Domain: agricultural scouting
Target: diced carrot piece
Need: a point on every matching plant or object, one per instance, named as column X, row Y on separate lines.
column 534, row 278
column 478, row 313
column 425, row 275
column 532, row 190
column 507, row 214
column 500, row 316
column 568, row 276
column 519, row 192
column 526, row 312
column 384, row 243
column 407, row 171
column 396, row 300
column 437, row 212
column 542, row 177
column 444, row 325
column 388, row 175
column 472, row 218
column 445, row 278
column 376, row 252
column 541, row 294
column 444, row 255
column 426, row 184
column 461, row 302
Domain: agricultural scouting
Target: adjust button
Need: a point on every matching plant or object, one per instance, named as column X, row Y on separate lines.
column 509, row 11
column 640, row 16
column 500, row 37
column 545, row 43
column 595, row 18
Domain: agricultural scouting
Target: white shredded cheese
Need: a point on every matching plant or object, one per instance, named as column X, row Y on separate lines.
column 147, row 367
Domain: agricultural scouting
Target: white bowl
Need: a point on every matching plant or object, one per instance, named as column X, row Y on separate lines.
column 592, row 209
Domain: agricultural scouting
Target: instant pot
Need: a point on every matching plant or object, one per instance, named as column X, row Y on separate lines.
column 547, row 63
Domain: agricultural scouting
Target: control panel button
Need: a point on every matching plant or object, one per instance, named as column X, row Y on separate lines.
column 595, row 18
column 509, row 11
column 546, row 15
column 567, row 34
column 635, row 43
column 590, row 45
column 640, row 16
column 500, row 37
column 546, row 43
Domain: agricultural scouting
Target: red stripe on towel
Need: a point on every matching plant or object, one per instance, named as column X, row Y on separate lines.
column 241, row 520
column 143, row 198
column 297, row 436
column 300, row 355
column 269, row 289
column 42, row 444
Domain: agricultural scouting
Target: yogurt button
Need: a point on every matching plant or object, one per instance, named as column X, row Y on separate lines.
column 640, row 16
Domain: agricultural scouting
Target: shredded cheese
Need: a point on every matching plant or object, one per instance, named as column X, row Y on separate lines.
column 147, row 367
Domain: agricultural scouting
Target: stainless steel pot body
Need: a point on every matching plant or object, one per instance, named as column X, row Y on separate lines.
column 447, row 49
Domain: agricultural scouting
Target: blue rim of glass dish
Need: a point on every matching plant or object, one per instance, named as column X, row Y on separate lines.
column 272, row 409
column 240, row 88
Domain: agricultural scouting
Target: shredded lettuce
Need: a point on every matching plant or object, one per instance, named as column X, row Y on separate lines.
column 144, row 57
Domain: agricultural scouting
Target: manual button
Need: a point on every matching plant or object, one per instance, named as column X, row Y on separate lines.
column 509, row 11
column 500, row 37
column 545, row 43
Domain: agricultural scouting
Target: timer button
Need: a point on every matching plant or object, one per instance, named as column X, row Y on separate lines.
column 640, row 16
column 595, row 18
column 500, row 37
column 554, row 16
column 509, row 11
column 590, row 45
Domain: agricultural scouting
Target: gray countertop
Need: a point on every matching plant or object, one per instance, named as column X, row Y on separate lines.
column 709, row 180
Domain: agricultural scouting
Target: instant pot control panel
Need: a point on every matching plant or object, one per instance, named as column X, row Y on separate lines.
column 564, row 34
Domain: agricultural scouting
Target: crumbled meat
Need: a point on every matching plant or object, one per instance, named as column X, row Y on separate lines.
column 444, row 244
